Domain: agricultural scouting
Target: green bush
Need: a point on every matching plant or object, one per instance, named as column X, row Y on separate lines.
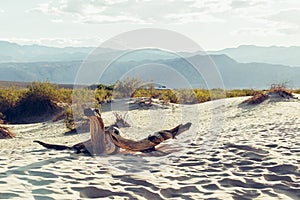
column 38, row 91
column 141, row 92
column 37, row 99
column 103, row 95
column 186, row 96
column 202, row 95
column 42, row 97
column 238, row 93
column 65, row 95
column 126, row 88
column 169, row 96
column 296, row 91
column 9, row 97
column 69, row 118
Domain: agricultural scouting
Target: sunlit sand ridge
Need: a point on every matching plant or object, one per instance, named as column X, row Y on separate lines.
column 256, row 156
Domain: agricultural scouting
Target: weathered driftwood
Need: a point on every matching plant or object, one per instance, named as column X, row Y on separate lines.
column 109, row 141
column 100, row 142
column 149, row 143
column 5, row 133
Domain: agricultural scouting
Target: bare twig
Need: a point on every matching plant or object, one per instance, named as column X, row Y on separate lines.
column 121, row 120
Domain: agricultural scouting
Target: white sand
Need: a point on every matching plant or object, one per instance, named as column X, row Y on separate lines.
column 254, row 154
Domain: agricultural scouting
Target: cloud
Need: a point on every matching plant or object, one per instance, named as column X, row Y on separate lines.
column 46, row 8
column 259, row 17
column 255, row 31
column 133, row 11
column 291, row 16
column 192, row 17
column 290, row 31
column 212, row 6
column 1, row 11
column 240, row 4
column 271, row 22
column 56, row 42
column 267, row 28
column 287, row 21
column 57, row 20
column 265, row 18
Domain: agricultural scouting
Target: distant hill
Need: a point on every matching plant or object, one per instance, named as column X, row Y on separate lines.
column 273, row 55
column 12, row 52
column 234, row 74
column 55, row 72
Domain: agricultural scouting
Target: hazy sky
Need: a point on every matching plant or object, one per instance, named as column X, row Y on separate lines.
column 213, row 24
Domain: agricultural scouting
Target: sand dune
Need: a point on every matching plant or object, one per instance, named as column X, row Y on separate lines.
column 254, row 154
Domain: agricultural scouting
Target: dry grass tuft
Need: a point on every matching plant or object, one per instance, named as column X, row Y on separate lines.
column 121, row 120
column 281, row 90
column 257, row 98
column 276, row 90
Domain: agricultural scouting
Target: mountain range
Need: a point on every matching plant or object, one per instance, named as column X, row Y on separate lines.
column 241, row 67
column 12, row 52
column 273, row 55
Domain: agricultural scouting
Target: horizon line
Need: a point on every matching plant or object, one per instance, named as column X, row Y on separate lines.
column 85, row 46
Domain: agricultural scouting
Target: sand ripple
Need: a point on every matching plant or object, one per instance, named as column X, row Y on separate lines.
column 256, row 156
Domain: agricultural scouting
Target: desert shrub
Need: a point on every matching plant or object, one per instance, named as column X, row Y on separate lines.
column 82, row 98
column 217, row 94
column 169, row 96
column 258, row 97
column 46, row 91
column 239, row 93
column 277, row 89
column 153, row 93
column 65, row 95
column 148, row 91
column 83, row 95
column 297, row 91
column 186, row 96
column 102, row 95
column 69, row 118
column 38, row 99
column 42, row 91
column 102, row 86
column 202, row 95
column 75, row 120
column 141, row 92
column 126, row 88
column 9, row 97
column 280, row 89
